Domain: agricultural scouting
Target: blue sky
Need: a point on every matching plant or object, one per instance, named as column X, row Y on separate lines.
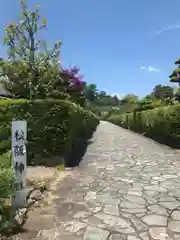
column 122, row 46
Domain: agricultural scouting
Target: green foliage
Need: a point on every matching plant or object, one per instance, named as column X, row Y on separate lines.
column 6, row 184
column 125, row 105
column 115, row 118
column 99, row 98
column 174, row 77
column 128, row 103
column 177, row 95
column 32, row 68
column 6, row 177
column 107, row 100
column 161, row 124
column 144, row 104
column 93, row 108
column 163, row 93
column 56, row 128
column 22, row 42
column 82, row 125
column 129, row 98
column 47, row 83
column 90, row 92
column 160, row 96
column 5, row 161
column 53, row 126
column 7, row 188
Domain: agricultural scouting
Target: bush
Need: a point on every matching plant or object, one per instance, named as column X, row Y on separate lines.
column 6, row 177
column 6, row 185
column 7, row 189
column 53, row 126
column 143, row 105
column 93, row 108
column 83, row 124
column 161, row 124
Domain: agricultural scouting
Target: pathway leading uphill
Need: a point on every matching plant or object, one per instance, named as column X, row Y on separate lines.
column 126, row 188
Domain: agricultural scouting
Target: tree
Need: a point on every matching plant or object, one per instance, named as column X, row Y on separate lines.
column 128, row 103
column 31, row 67
column 91, row 92
column 129, row 99
column 163, row 93
column 73, row 84
column 143, row 104
column 149, row 97
column 177, row 95
column 102, row 94
column 175, row 76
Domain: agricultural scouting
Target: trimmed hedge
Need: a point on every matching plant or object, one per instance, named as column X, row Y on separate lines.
column 55, row 127
column 161, row 124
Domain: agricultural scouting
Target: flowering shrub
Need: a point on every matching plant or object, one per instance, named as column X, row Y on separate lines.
column 75, row 84
column 74, row 77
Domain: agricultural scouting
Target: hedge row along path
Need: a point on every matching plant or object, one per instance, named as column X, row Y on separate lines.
column 126, row 188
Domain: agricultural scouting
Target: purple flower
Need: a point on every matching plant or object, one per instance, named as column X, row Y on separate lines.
column 74, row 78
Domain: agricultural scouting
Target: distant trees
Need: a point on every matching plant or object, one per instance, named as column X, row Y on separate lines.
column 99, row 98
column 128, row 102
column 163, row 93
column 129, row 99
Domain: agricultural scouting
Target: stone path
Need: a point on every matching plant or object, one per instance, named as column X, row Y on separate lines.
column 126, row 188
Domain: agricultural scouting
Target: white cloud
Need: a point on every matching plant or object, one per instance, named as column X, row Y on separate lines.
column 142, row 67
column 168, row 28
column 153, row 69
column 150, row 68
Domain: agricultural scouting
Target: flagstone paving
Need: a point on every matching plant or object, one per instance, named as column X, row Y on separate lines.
column 126, row 188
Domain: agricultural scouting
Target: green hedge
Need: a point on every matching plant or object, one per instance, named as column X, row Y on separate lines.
column 161, row 124
column 55, row 127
